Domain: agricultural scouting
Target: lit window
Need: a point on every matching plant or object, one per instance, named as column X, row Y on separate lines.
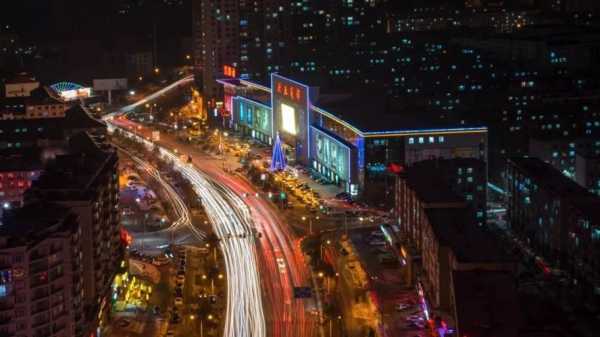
column 421, row 140
column 431, row 139
column 411, row 140
column 441, row 139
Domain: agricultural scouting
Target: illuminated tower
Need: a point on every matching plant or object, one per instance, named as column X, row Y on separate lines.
column 278, row 162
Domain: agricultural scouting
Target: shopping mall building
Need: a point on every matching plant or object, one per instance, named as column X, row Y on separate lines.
column 348, row 139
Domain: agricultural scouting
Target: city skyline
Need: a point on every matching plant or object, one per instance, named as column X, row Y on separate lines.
column 310, row 168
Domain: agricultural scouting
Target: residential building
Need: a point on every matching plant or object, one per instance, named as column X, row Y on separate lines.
column 18, row 169
column 485, row 304
column 216, row 40
column 467, row 177
column 576, row 158
column 558, row 219
column 20, row 86
column 41, row 269
column 85, row 180
column 440, row 236
column 49, row 131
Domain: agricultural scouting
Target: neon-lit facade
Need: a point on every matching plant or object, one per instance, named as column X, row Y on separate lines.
column 253, row 118
column 334, row 148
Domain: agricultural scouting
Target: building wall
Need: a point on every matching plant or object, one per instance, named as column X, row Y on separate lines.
column 42, row 293
column 216, row 40
column 20, row 89
column 46, row 110
column 97, row 209
column 253, row 118
column 587, row 171
column 14, row 184
column 565, row 235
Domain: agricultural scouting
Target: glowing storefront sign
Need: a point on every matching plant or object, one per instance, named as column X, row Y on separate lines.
column 69, row 95
column 290, row 91
column 229, row 71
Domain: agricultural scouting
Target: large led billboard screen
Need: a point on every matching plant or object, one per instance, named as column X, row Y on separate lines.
column 288, row 119
column 254, row 115
column 331, row 154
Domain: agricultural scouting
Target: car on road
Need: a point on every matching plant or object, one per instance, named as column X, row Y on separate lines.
column 377, row 243
column 281, row 265
column 401, row 306
column 123, row 323
column 160, row 260
column 170, row 333
column 179, row 301
column 175, row 319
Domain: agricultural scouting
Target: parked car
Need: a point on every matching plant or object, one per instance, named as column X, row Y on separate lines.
column 401, row 306
column 387, row 258
column 160, row 260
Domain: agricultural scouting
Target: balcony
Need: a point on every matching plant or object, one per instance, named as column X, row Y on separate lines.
column 40, row 306
column 38, row 283
column 39, row 294
column 36, row 257
column 56, row 328
column 40, row 321
column 5, row 319
column 38, row 269
column 6, row 304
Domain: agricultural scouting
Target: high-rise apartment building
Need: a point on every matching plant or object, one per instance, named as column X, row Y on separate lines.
column 264, row 36
column 216, row 34
column 559, row 220
column 85, row 180
column 41, row 272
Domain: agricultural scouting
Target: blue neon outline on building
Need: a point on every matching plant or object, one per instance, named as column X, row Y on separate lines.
column 65, row 86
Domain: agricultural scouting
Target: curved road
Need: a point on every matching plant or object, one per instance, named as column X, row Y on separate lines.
column 179, row 230
column 282, row 265
column 232, row 223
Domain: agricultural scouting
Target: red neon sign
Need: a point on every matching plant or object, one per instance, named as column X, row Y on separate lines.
column 290, row 91
column 229, row 71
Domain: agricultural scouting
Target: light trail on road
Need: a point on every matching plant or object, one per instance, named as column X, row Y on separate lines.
column 182, row 212
column 149, row 98
column 287, row 316
column 232, row 223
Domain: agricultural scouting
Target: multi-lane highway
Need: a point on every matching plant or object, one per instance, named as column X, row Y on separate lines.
column 232, row 223
column 282, row 266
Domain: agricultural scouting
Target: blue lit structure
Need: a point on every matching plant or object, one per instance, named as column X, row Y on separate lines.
column 343, row 143
column 278, row 162
column 65, row 86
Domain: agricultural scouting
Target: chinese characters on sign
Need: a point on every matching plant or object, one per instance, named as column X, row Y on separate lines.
column 229, row 71
column 292, row 92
